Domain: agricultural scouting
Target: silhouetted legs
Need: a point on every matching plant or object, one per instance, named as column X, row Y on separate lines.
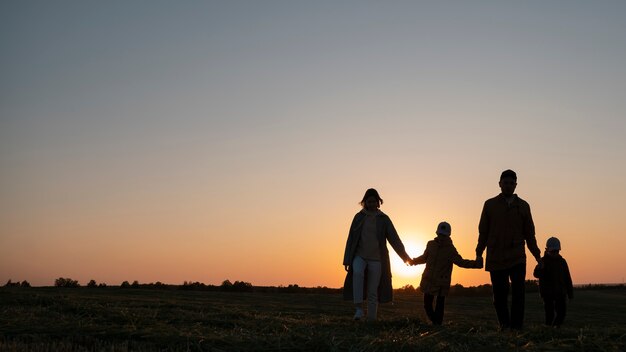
column 436, row 316
column 374, row 269
column 518, row 290
column 552, row 306
column 500, row 282
column 548, row 306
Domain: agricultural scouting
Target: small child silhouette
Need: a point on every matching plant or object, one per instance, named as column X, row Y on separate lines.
column 555, row 283
column 439, row 256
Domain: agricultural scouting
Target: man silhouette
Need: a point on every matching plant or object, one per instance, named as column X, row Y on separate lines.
column 505, row 225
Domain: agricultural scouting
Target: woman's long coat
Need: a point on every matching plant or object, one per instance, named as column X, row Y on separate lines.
column 384, row 232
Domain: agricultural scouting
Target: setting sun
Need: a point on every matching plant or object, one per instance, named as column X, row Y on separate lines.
column 404, row 274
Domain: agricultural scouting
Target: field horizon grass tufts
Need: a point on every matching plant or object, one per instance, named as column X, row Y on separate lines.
column 114, row 319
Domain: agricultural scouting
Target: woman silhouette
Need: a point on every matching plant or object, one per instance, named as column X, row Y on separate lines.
column 366, row 257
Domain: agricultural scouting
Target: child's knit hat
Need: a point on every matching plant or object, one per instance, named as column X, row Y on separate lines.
column 444, row 229
column 553, row 244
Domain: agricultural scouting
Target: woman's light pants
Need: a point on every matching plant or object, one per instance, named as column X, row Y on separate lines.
column 374, row 269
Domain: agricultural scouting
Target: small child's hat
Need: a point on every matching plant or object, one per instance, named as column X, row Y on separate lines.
column 553, row 244
column 444, row 229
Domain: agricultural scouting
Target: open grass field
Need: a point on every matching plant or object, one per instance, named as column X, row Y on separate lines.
column 114, row 319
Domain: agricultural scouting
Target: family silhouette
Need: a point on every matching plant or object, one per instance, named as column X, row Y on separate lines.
column 505, row 228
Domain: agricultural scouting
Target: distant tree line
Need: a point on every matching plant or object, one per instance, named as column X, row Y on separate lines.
column 66, row 282
column 17, row 284
column 226, row 286
column 242, row 286
column 460, row 290
column 486, row 290
column 598, row 286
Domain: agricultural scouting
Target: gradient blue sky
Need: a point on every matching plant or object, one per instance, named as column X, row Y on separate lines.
column 205, row 140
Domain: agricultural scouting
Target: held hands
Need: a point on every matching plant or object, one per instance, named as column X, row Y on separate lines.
column 412, row 262
column 407, row 260
column 539, row 262
column 479, row 262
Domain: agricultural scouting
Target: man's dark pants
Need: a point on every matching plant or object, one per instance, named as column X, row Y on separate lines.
column 500, row 282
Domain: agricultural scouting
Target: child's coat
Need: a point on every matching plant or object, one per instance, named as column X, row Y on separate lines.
column 554, row 278
column 439, row 256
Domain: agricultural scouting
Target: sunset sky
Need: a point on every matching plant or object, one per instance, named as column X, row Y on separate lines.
column 211, row 140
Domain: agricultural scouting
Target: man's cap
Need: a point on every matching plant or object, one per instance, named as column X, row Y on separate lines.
column 508, row 173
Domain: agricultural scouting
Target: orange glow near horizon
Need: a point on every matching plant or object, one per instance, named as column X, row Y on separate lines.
column 264, row 250
column 237, row 144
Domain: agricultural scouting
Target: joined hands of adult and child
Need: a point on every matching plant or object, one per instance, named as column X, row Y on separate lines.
column 478, row 262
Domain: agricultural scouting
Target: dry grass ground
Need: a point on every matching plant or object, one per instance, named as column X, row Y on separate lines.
column 114, row 319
